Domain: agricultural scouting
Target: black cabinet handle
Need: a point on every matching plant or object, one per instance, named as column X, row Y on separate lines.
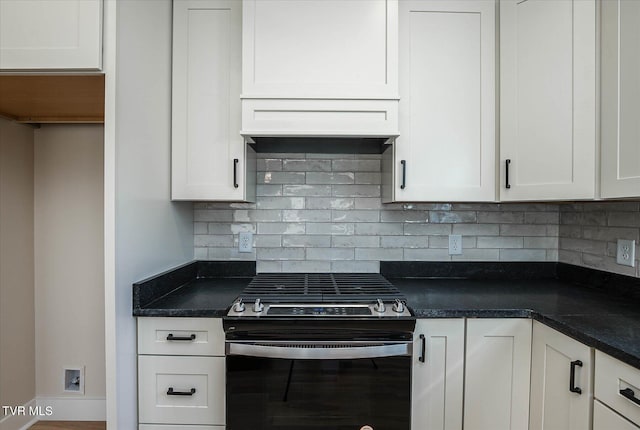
column 506, row 168
column 235, row 172
column 572, row 377
column 423, row 350
column 170, row 336
column 404, row 174
column 629, row 394
column 170, row 392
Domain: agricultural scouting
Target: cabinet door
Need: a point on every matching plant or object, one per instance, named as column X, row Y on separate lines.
column 547, row 99
column 553, row 405
column 498, row 364
column 438, row 374
column 209, row 159
column 446, row 147
column 620, row 99
column 327, row 49
column 52, row 34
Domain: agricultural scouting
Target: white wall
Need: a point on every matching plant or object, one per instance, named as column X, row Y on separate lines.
column 17, row 332
column 69, row 267
column 151, row 233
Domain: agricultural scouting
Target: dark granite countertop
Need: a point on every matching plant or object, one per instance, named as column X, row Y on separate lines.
column 207, row 297
column 196, row 289
column 596, row 308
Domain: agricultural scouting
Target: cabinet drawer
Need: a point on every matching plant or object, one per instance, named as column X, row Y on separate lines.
column 179, row 427
column 202, row 377
column 173, row 336
column 605, row 419
column 611, row 377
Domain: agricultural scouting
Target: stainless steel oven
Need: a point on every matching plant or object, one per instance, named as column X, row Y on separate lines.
column 325, row 375
column 319, row 362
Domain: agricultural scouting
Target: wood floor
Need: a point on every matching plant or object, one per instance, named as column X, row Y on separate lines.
column 69, row 425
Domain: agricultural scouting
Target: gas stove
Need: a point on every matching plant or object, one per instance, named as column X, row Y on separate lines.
column 327, row 295
column 311, row 350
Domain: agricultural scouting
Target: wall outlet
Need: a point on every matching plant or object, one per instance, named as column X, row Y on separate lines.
column 455, row 244
column 626, row 254
column 245, row 241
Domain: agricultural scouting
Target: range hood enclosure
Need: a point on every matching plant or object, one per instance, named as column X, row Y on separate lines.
column 320, row 68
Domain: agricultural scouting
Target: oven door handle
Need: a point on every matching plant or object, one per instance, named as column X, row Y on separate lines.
column 319, row 350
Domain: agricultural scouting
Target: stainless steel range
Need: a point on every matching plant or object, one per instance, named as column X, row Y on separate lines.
column 361, row 295
column 319, row 351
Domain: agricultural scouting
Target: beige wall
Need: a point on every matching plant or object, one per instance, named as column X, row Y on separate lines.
column 17, row 355
column 69, row 254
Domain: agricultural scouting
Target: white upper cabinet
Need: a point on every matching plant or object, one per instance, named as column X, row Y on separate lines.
column 210, row 160
column 320, row 67
column 51, row 34
column 620, row 99
column 561, row 382
column 446, row 147
column 547, row 99
column 319, row 48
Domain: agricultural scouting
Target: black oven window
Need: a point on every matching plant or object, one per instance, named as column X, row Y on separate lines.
column 284, row 394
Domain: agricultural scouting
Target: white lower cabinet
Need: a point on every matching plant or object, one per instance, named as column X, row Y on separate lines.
column 606, row 419
column 561, row 383
column 617, row 385
column 498, row 365
column 180, row 336
column 438, row 374
column 181, row 374
column 181, row 390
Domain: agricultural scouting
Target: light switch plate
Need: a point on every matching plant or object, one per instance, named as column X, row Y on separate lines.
column 626, row 254
column 245, row 241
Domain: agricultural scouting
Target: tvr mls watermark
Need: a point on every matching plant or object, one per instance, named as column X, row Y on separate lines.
column 32, row 411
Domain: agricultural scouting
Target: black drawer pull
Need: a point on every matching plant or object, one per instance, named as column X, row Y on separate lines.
column 506, row 168
column 572, row 377
column 170, row 336
column 404, row 174
column 423, row 349
column 629, row 394
column 235, row 172
column 170, row 392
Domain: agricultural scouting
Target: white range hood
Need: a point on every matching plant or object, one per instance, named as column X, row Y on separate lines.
column 323, row 68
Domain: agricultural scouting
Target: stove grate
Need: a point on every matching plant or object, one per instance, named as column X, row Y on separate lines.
column 352, row 286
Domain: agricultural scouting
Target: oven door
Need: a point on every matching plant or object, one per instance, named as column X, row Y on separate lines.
column 319, row 384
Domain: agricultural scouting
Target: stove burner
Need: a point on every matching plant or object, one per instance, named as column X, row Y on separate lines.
column 327, row 295
column 320, row 287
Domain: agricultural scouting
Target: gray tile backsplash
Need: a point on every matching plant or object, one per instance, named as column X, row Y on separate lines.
column 589, row 231
column 323, row 212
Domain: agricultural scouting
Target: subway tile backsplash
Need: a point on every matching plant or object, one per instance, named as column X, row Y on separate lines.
column 323, row 212
column 589, row 231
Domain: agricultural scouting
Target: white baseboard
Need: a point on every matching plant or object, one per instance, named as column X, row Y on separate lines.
column 28, row 425
column 19, row 421
column 72, row 409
